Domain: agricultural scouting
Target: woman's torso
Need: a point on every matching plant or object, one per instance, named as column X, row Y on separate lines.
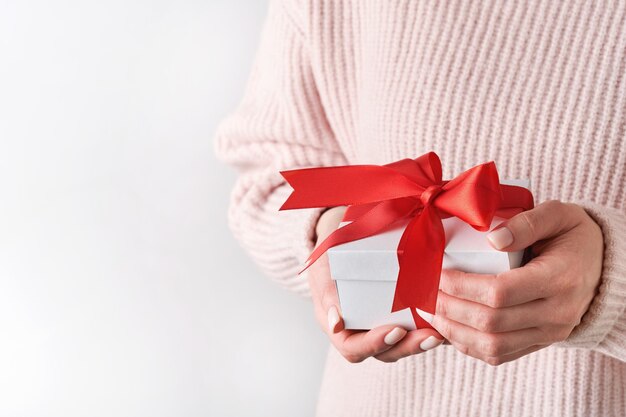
column 540, row 88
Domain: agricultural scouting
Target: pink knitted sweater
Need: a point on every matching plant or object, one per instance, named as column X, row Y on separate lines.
column 537, row 86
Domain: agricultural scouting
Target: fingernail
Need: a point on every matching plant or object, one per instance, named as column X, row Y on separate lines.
column 426, row 316
column 437, row 324
column 395, row 336
column 333, row 318
column 430, row 342
column 500, row 238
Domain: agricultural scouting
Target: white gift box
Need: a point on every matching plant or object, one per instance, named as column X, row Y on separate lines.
column 365, row 271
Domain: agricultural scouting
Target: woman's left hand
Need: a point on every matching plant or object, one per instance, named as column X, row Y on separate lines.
column 500, row 318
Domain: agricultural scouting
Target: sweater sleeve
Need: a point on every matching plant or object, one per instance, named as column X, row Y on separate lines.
column 280, row 124
column 603, row 327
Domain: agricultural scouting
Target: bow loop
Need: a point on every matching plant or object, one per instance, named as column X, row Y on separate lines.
column 424, row 170
column 473, row 196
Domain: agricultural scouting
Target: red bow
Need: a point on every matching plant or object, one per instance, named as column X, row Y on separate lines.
column 380, row 196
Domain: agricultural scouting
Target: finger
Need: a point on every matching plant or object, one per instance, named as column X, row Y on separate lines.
column 354, row 345
column 416, row 341
column 325, row 298
column 484, row 345
column 493, row 320
column 357, row 346
column 533, row 281
column 499, row 360
column 546, row 220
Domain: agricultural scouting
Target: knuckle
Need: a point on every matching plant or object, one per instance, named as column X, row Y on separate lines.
column 371, row 349
column 567, row 280
column 567, row 316
column 563, row 283
column 563, row 333
column 555, row 208
column 464, row 349
column 567, row 215
column 492, row 346
column 529, row 221
column 353, row 357
column 577, row 211
column 495, row 360
column 558, row 333
column 496, row 295
column 553, row 205
column 487, row 320
column 386, row 359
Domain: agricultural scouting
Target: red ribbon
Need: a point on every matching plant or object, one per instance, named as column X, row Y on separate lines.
column 380, row 196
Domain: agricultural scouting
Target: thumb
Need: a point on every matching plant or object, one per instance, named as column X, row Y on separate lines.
column 546, row 220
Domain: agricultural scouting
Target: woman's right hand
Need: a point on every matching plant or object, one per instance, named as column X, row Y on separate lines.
column 386, row 343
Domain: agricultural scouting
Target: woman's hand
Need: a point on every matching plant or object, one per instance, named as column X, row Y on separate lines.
column 500, row 318
column 386, row 343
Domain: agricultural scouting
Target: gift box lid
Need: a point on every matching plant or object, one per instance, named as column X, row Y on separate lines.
column 375, row 258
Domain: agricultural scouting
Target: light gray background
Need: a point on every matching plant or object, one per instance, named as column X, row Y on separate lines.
column 122, row 292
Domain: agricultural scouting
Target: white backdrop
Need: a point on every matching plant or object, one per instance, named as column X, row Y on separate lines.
column 122, row 292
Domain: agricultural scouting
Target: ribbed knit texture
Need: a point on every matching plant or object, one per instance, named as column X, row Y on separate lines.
column 537, row 86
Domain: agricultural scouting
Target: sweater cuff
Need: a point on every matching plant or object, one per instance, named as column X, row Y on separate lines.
column 302, row 223
column 603, row 326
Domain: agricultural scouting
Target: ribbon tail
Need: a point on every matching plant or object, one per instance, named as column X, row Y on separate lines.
column 420, row 263
column 345, row 185
column 420, row 323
